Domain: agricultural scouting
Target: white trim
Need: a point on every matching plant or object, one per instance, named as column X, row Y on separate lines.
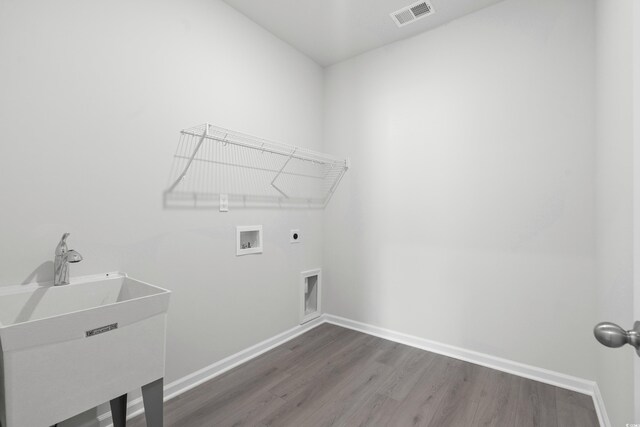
column 598, row 402
column 186, row 383
column 546, row 376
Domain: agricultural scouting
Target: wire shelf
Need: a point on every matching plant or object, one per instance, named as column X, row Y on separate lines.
column 210, row 161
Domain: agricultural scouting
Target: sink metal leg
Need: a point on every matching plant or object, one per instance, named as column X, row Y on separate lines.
column 152, row 395
column 119, row 411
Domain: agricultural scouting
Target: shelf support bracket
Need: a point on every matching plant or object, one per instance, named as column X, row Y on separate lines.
column 280, row 173
column 186, row 169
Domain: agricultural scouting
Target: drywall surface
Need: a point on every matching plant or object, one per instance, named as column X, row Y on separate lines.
column 614, row 26
column 468, row 215
column 93, row 98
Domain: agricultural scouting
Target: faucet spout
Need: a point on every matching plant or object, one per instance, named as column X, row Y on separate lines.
column 63, row 257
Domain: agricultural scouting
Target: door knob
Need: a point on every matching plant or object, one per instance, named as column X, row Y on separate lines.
column 611, row 335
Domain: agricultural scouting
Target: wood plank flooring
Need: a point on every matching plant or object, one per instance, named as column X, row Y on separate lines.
column 332, row 376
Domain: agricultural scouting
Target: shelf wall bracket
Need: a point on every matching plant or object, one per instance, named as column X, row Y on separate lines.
column 195, row 151
column 280, row 173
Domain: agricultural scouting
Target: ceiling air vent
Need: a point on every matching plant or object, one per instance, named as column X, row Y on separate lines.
column 412, row 13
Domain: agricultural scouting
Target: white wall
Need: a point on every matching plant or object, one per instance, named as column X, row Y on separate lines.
column 93, row 95
column 468, row 216
column 615, row 198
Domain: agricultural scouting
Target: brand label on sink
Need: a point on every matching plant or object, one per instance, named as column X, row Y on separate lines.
column 102, row 330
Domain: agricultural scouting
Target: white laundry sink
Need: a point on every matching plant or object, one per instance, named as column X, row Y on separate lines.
column 66, row 349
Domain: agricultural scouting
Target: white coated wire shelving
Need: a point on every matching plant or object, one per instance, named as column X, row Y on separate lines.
column 211, row 161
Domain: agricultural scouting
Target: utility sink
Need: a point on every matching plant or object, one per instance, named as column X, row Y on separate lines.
column 66, row 349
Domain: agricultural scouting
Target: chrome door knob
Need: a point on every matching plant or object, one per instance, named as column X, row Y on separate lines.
column 611, row 335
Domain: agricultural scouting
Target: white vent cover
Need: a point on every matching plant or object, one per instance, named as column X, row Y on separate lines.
column 412, row 13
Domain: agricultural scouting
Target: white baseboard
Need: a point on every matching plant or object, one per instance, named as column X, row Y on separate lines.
column 598, row 401
column 136, row 407
column 546, row 376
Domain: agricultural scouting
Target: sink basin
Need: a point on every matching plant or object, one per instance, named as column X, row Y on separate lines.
column 66, row 349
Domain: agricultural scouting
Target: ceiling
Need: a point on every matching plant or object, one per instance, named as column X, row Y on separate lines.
column 330, row 31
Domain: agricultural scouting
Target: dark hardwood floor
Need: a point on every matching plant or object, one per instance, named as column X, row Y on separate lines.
column 332, row 376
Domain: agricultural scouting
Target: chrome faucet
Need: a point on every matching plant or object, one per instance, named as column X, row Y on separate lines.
column 64, row 256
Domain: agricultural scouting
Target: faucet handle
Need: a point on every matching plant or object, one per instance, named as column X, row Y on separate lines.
column 62, row 245
column 72, row 256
